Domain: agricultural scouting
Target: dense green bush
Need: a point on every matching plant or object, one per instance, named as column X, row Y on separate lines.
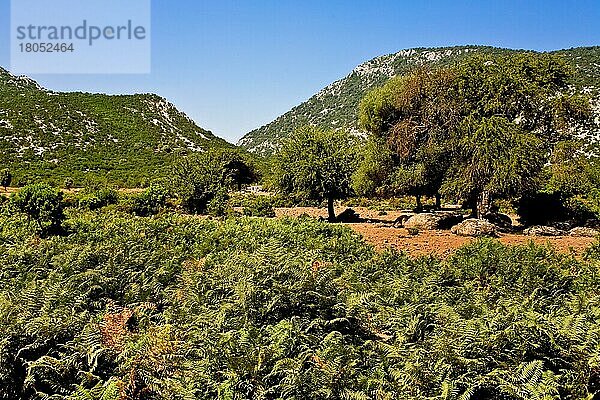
column 260, row 206
column 218, row 206
column 181, row 307
column 197, row 180
column 202, row 182
column 150, row 201
column 96, row 198
column 68, row 183
column 42, row 204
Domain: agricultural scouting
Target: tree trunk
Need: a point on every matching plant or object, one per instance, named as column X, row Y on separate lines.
column 330, row 210
column 419, row 204
column 484, row 204
column 438, row 201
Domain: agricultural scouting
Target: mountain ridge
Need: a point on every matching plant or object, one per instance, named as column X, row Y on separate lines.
column 336, row 105
column 122, row 139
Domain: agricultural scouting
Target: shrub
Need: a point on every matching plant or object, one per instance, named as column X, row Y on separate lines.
column 260, row 206
column 200, row 182
column 218, row 205
column 42, row 204
column 150, row 201
column 582, row 208
column 94, row 199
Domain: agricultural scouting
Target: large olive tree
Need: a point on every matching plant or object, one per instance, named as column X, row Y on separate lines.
column 411, row 118
column 479, row 130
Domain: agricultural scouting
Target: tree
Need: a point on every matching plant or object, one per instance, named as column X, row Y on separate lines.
column 201, row 181
column 5, row 178
column 150, row 201
column 372, row 176
column 496, row 158
column 238, row 168
column 480, row 130
column 570, row 172
column 197, row 180
column 43, row 204
column 316, row 164
column 514, row 111
column 410, row 118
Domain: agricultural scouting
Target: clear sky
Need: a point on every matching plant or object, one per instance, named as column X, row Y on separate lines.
column 236, row 65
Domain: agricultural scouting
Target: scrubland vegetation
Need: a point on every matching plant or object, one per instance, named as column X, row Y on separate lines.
column 189, row 289
column 172, row 306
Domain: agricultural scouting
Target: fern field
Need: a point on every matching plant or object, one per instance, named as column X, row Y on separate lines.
column 179, row 307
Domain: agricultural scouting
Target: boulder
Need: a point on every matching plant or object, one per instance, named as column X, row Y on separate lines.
column 541, row 230
column 429, row 221
column 562, row 225
column 584, row 232
column 475, row 227
column 502, row 221
column 592, row 223
column 348, row 215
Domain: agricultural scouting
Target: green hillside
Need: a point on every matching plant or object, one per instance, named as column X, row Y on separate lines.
column 336, row 106
column 52, row 136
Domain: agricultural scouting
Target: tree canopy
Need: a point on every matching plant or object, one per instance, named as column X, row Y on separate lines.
column 316, row 164
column 476, row 131
column 202, row 181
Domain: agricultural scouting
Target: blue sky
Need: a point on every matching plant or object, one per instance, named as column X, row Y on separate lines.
column 236, row 65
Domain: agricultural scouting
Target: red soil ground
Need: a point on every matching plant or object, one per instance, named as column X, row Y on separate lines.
column 441, row 243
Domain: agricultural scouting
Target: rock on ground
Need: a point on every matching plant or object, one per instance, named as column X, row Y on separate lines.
column 540, row 230
column 475, row 227
column 430, row 221
column 562, row 225
column 348, row 215
column 502, row 221
column 584, row 232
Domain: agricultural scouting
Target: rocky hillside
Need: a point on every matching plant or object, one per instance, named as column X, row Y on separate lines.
column 336, row 106
column 120, row 139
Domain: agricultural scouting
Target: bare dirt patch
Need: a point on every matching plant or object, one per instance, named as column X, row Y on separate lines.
column 315, row 212
column 441, row 243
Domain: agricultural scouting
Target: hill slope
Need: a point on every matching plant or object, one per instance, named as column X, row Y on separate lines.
column 120, row 139
column 336, row 105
